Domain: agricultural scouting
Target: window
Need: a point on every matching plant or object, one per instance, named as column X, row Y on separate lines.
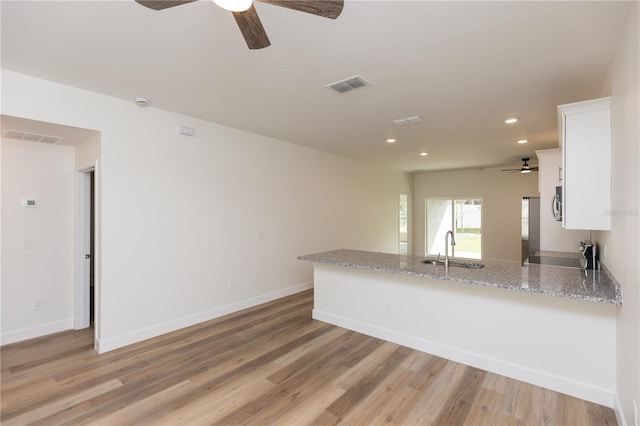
column 403, row 228
column 463, row 217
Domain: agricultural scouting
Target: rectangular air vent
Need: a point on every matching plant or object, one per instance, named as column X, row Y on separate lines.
column 414, row 119
column 33, row 137
column 348, row 84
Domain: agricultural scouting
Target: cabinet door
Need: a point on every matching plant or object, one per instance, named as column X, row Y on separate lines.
column 587, row 170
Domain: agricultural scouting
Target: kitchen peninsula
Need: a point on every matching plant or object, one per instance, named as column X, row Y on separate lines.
column 547, row 325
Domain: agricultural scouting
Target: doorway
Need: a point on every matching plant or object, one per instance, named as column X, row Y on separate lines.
column 85, row 300
column 403, row 224
column 463, row 217
column 92, row 242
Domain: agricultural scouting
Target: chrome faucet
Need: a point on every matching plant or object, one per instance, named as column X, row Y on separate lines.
column 446, row 249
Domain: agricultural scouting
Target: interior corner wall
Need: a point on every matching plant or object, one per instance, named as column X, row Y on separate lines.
column 195, row 227
column 622, row 250
column 553, row 237
column 87, row 152
column 501, row 195
column 37, row 243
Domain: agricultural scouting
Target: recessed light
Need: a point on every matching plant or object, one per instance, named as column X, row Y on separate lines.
column 391, row 140
column 424, row 154
column 523, row 141
column 511, row 120
column 142, row 101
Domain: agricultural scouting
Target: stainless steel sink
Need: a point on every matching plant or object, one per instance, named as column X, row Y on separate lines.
column 433, row 261
column 465, row 264
column 455, row 262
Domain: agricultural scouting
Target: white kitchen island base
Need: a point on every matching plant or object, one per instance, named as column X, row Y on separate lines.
column 561, row 344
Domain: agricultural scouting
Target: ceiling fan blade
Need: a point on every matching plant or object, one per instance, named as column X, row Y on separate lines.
column 511, row 170
column 252, row 29
column 325, row 8
column 162, row 4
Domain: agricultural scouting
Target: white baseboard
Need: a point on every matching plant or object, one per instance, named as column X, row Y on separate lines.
column 617, row 408
column 112, row 343
column 536, row 377
column 35, row 331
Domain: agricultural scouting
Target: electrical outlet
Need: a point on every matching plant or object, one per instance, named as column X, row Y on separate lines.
column 259, row 235
column 37, row 304
column 231, row 285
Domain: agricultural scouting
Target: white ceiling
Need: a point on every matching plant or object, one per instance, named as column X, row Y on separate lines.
column 463, row 66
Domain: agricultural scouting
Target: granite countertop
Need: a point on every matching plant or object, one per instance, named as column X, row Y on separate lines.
column 573, row 283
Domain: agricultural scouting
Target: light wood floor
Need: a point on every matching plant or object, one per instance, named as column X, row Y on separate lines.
column 271, row 364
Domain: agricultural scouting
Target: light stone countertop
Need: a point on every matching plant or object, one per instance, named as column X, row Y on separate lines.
column 573, row 283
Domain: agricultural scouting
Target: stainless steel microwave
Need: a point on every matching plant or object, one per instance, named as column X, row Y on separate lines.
column 556, row 205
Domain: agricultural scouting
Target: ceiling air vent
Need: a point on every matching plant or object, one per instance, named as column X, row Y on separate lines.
column 414, row 119
column 348, row 84
column 33, row 137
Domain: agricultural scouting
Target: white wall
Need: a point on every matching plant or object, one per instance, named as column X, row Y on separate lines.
column 180, row 215
column 553, row 237
column 45, row 270
column 87, row 152
column 501, row 195
column 622, row 241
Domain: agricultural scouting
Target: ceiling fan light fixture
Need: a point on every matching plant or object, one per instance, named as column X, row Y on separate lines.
column 525, row 168
column 247, row 18
column 234, row 5
column 511, row 120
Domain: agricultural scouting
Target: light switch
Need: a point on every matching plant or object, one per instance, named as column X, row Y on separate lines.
column 26, row 244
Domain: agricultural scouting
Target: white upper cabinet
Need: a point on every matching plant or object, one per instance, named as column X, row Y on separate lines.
column 585, row 140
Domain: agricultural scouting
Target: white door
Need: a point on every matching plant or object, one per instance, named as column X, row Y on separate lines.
column 84, row 248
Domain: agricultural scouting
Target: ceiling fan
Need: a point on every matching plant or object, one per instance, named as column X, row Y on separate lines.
column 524, row 169
column 247, row 17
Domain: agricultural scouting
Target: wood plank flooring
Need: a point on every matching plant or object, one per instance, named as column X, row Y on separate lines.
column 271, row 364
